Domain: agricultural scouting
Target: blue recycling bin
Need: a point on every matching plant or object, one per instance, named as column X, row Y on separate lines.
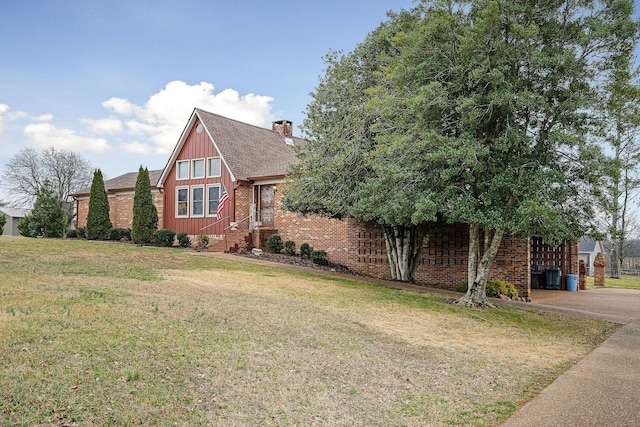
column 572, row 282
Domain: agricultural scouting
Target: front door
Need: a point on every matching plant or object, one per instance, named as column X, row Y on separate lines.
column 265, row 205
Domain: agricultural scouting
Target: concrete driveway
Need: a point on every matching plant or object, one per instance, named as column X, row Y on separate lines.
column 603, row 389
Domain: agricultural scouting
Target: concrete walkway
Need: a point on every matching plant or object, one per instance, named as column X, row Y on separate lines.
column 603, row 389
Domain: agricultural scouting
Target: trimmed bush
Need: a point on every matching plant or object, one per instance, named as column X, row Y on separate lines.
column 183, row 239
column 290, row 247
column 98, row 222
column 275, row 244
column 495, row 288
column 305, row 250
column 164, row 237
column 145, row 215
column 118, row 234
column 71, row 234
column 319, row 257
column 81, row 232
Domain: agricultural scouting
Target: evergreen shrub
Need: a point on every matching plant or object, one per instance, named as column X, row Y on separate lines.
column 495, row 288
column 305, row 250
column 164, row 237
column 275, row 244
column 183, row 239
column 98, row 222
column 319, row 257
column 290, row 247
column 118, row 234
column 145, row 215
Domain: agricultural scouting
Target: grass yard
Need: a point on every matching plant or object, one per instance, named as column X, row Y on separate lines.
column 95, row 333
column 625, row 282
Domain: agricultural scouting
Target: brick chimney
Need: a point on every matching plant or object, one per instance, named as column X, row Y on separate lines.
column 283, row 127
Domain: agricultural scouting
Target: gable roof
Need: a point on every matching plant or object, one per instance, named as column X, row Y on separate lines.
column 124, row 182
column 14, row 212
column 249, row 152
column 587, row 244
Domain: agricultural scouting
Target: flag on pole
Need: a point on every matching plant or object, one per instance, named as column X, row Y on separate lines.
column 224, row 196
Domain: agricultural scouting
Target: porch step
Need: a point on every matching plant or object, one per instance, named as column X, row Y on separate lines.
column 232, row 241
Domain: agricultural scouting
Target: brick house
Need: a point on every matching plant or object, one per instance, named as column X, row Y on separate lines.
column 215, row 153
column 120, row 192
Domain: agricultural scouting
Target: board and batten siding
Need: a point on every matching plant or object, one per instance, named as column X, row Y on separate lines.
column 197, row 146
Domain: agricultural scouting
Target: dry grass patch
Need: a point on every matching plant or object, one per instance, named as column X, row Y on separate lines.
column 96, row 334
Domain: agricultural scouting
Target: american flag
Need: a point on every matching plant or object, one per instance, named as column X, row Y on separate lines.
column 223, row 198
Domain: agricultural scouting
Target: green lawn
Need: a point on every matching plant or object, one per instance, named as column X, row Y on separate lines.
column 626, row 282
column 95, row 333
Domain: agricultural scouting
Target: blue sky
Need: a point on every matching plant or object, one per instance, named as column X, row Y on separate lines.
column 115, row 81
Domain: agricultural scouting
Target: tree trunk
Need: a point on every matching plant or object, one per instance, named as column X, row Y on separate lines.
column 614, row 260
column 405, row 245
column 479, row 265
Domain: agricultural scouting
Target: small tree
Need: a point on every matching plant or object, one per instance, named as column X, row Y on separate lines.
column 47, row 217
column 24, row 226
column 145, row 215
column 3, row 221
column 98, row 222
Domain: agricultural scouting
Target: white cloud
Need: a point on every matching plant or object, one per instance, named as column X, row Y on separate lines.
column 45, row 135
column 163, row 117
column 47, row 117
column 3, row 109
column 106, row 126
column 152, row 128
column 120, row 106
column 136, row 147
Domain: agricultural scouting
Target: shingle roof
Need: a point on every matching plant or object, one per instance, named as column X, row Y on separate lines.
column 250, row 151
column 587, row 244
column 15, row 212
column 124, row 182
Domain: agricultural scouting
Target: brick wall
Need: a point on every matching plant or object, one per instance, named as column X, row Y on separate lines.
column 243, row 200
column 120, row 209
column 361, row 247
column 82, row 207
column 330, row 235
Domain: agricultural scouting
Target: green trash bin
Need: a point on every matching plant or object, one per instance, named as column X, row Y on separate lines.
column 553, row 278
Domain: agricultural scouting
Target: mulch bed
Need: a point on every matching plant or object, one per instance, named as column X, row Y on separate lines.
column 298, row 261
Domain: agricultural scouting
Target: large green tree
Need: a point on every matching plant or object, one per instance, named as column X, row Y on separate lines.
column 333, row 166
column 98, row 221
column 476, row 112
column 145, row 215
column 500, row 94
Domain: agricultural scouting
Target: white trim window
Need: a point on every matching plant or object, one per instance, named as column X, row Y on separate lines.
column 197, row 168
column 197, row 201
column 182, row 169
column 213, row 198
column 182, row 202
column 214, row 167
